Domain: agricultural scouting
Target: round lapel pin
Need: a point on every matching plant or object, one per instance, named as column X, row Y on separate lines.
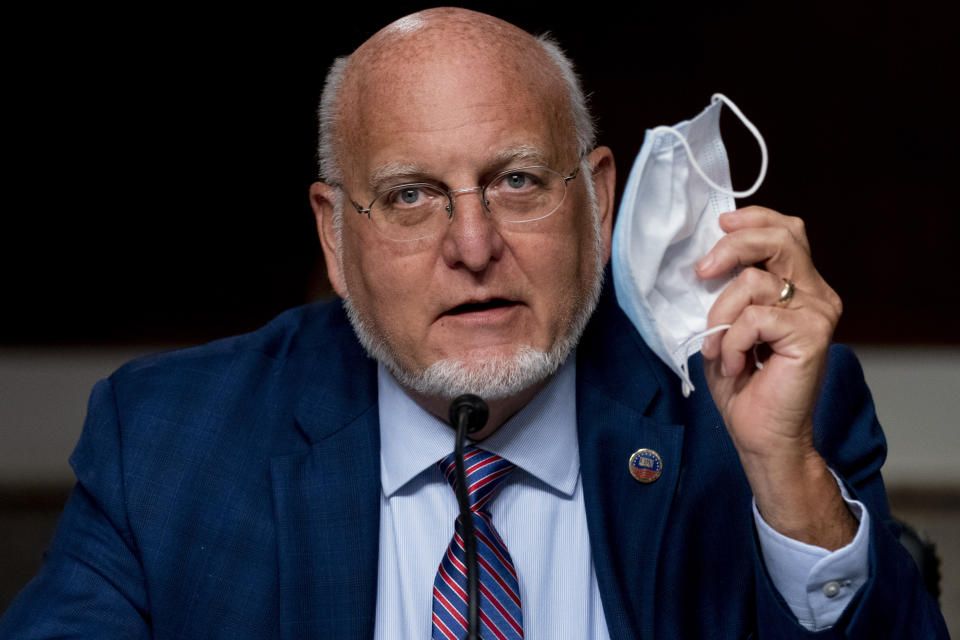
column 645, row 465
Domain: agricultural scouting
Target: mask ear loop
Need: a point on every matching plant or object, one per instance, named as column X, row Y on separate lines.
column 719, row 97
column 684, row 347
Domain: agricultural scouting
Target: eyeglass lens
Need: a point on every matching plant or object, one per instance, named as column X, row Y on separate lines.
column 413, row 211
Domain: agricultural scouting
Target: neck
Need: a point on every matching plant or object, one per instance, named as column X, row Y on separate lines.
column 501, row 409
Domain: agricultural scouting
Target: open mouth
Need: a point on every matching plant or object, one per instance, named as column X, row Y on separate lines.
column 471, row 307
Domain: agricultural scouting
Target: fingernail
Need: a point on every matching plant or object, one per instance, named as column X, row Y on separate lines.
column 723, row 369
column 705, row 262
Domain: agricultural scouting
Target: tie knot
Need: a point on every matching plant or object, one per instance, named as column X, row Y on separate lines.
column 485, row 471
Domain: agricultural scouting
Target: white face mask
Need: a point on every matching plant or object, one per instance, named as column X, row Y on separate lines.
column 668, row 220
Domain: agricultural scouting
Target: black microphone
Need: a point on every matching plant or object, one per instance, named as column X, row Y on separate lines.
column 470, row 408
column 468, row 414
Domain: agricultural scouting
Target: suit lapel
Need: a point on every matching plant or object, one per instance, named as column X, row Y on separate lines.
column 621, row 400
column 327, row 502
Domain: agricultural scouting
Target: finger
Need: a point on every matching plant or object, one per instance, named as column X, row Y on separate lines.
column 804, row 274
column 762, row 217
column 792, row 333
column 754, row 287
column 773, row 247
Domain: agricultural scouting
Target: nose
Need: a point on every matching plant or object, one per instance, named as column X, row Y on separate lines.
column 472, row 237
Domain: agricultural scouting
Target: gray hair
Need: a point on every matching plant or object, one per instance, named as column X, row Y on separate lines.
column 579, row 107
column 331, row 169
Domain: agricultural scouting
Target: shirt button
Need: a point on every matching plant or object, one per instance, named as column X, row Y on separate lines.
column 831, row 589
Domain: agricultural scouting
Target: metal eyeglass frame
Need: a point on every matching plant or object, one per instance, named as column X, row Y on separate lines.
column 450, row 193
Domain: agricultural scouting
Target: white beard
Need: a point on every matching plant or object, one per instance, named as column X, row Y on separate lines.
column 495, row 377
column 491, row 378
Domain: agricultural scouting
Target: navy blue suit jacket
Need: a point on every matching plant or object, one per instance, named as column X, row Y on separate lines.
column 233, row 491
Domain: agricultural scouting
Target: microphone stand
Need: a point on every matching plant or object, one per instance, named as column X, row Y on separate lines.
column 468, row 414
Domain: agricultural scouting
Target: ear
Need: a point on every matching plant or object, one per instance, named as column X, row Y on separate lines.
column 322, row 197
column 604, row 178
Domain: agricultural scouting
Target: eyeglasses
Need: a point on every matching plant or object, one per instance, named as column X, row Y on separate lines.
column 420, row 210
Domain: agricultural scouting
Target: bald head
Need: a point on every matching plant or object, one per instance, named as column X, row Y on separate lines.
column 445, row 31
column 442, row 56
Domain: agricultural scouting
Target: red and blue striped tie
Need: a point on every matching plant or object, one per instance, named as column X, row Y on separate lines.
column 500, row 615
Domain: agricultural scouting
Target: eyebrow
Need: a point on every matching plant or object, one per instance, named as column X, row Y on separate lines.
column 394, row 173
column 522, row 153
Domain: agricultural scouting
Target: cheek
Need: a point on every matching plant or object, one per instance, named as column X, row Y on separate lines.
column 567, row 272
column 568, row 253
column 383, row 278
column 553, row 265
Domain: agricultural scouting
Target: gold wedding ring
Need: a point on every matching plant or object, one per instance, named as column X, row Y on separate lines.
column 786, row 294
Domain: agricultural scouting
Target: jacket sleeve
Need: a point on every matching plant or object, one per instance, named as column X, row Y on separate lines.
column 893, row 603
column 91, row 584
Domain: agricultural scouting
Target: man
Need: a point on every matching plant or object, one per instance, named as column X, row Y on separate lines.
column 279, row 484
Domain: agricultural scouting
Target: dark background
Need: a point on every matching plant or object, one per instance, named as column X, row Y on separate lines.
column 158, row 158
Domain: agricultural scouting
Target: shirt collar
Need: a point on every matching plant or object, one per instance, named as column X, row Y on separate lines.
column 541, row 438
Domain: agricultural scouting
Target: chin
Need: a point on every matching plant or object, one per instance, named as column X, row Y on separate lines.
column 491, row 377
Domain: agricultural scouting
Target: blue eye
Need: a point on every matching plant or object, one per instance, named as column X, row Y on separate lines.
column 407, row 196
column 517, row 180
column 410, row 196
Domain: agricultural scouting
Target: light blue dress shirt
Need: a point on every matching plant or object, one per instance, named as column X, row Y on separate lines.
column 539, row 512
